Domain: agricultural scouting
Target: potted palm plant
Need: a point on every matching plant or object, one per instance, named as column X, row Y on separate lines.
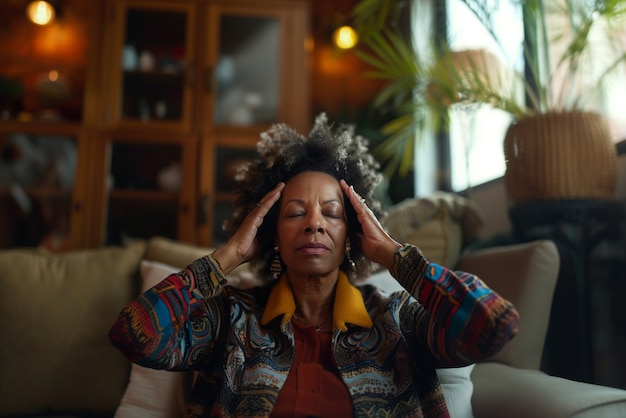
column 559, row 146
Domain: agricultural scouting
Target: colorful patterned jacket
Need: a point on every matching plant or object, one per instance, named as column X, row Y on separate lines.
column 386, row 347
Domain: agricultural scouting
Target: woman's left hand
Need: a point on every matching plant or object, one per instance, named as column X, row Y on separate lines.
column 376, row 243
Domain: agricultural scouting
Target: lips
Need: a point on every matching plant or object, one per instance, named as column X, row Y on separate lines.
column 313, row 248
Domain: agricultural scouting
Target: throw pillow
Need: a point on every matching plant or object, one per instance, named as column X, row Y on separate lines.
column 457, row 389
column 440, row 225
column 55, row 314
column 154, row 393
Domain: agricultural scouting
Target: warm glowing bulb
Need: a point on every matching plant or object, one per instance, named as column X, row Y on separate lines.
column 40, row 12
column 345, row 37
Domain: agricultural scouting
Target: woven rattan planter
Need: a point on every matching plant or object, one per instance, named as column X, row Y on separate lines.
column 558, row 156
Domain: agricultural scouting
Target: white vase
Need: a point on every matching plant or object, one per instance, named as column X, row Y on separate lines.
column 146, row 61
column 129, row 58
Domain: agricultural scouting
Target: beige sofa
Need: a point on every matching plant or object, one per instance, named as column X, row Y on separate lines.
column 56, row 310
column 510, row 385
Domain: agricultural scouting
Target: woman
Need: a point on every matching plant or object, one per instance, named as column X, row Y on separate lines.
column 309, row 342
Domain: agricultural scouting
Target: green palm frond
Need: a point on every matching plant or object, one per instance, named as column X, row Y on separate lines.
column 371, row 16
column 399, row 147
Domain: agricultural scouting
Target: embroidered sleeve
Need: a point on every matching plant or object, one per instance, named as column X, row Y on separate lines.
column 168, row 325
column 458, row 317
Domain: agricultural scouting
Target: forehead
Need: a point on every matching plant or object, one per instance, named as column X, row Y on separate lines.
column 312, row 182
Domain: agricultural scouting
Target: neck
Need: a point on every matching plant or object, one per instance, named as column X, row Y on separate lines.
column 314, row 298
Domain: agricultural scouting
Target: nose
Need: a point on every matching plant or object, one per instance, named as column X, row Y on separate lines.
column 315, row 222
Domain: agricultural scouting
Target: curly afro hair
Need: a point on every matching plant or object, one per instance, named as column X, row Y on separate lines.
column 284, row 153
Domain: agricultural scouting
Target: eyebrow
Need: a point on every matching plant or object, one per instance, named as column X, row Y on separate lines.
column 324, row 202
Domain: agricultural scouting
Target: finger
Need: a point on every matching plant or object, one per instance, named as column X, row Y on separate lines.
column 270, row 198
column 356, row 199
column 364, row 213
column 265, row 204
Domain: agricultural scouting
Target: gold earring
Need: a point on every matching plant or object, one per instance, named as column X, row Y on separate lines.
column 351, row 263
column 276, row 267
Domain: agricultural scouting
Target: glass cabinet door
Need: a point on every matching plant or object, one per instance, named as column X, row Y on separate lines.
column 256, row 60
column 148, row 190
column 255, row 56
column 247, row 71
column 37, row 183
column 154, row 72
column 228, row 158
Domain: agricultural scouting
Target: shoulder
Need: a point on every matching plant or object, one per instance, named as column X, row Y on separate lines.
column 378, row 300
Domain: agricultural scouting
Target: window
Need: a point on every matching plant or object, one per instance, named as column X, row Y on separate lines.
column 477, row 132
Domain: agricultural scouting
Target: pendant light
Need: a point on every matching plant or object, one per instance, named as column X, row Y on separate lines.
column 40, row 12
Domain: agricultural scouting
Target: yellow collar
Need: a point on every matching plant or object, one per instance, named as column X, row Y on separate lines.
column 348, row 308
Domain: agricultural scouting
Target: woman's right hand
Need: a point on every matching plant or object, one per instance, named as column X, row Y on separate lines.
column 243, row 245
column 376, row 243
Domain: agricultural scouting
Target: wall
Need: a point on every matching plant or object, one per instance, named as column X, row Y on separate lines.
column 492, row 200
column 339, row 86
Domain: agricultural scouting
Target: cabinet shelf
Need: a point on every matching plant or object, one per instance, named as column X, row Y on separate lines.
column 143, row 195
column 225, row 197
column 42, row 127
column 39, row 192
column 154, row 73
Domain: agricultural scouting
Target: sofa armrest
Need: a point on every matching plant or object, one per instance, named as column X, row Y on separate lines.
column 526, row 274
column 501, row 390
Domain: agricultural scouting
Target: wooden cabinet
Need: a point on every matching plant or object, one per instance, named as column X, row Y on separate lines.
column 190, row 86
column 174, row 95
column 148, row 187
column 42, row 189
column 45, row 169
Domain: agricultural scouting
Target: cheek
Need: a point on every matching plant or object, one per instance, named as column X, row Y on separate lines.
column 284, row 232
column 340, row 233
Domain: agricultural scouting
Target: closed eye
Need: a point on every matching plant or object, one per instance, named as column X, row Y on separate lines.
column 333, row 209
column 333, row 215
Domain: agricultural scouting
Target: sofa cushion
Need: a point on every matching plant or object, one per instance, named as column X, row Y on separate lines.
column 440, row 225
column 174, row 253
column 525, row 274
column 154, row 393
column 506, row 391
column 55, row 314
column 179, row 254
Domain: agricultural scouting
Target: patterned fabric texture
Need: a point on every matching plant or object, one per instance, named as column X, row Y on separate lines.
column 191, row 321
